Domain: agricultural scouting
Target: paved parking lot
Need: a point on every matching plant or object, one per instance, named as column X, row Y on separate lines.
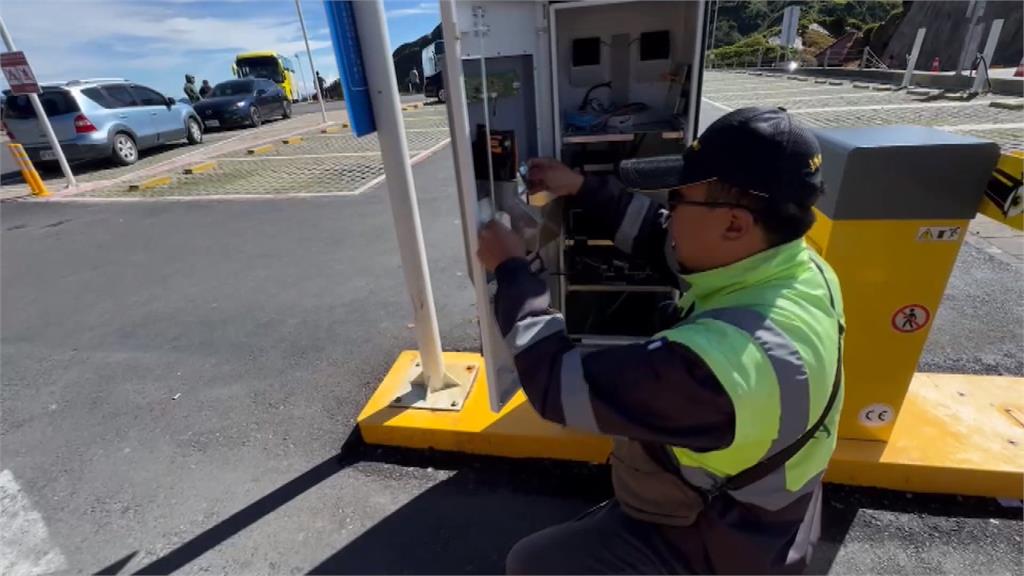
column 837, row 103
column 332, row 163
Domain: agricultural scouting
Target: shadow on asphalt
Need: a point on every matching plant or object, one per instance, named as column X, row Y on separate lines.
column 842, row 504
column 218, row 533
column 467, row 523
column 461, row 525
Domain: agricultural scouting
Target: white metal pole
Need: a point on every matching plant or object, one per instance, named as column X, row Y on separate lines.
column 693, row 102
column 981, row 77
column 714, row 25
column 312, row 69
column 908, row 74
column 44, row 121
column 394, row 151
column 462, row 150
column 302, row 76
column 480, row 30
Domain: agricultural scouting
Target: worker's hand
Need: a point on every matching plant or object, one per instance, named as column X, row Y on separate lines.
column 498, row 243
column 548, row 174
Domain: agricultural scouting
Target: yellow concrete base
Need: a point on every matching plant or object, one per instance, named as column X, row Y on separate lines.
column 151, row 183
column 516, row 432
column 201, row 167
column 260, row 149
column 955, row 434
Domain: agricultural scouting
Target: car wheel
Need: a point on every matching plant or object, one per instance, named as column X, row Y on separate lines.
column 255, row 118
column 287, row 113
column 441, row 95
column 195, row 131
column 125, row 152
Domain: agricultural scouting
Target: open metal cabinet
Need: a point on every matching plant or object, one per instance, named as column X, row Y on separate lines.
column 591, row 83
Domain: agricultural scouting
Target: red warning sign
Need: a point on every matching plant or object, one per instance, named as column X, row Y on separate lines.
column 911, row 318
column 18, row 73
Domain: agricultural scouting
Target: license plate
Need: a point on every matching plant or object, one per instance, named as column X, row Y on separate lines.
column 212, row 123
column 47, row 155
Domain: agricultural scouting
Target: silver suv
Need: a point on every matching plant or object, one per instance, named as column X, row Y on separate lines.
column 100, row 118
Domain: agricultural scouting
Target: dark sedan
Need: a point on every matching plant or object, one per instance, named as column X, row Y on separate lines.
column 248, row 101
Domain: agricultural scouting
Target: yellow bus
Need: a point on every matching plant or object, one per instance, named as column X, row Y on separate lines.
column 269, row 65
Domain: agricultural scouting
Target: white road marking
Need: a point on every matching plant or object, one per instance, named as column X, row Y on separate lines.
column 1012, row 125
column 753, row 91
column 717, row 105
column 25, row 545
column 370, row 184
column 328, row 155
column 339, row 134
column 891, row 107
column 852, row 95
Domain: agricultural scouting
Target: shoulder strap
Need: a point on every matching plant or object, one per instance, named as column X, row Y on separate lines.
column 765, row 467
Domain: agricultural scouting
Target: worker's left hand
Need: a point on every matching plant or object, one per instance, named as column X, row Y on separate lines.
column 498, row 243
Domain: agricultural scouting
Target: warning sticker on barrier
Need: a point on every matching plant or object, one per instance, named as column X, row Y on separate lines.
column 911, row 318
column 938, row 233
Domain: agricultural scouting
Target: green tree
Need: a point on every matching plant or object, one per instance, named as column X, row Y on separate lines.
column 726, row 33
column 836, row 25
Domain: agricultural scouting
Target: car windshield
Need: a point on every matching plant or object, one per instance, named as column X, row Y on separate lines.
column 265, row 67
column 233, row 88
column 55, row 101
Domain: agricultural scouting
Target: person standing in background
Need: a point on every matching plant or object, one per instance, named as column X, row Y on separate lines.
column 322, row 84
column 205, row 89
column 414, row 81
column 190, row 89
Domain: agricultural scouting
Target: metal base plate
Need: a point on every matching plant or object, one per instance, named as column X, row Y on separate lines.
column 458, row 381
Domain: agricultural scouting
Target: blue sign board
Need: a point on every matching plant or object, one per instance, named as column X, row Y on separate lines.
column 342, row 21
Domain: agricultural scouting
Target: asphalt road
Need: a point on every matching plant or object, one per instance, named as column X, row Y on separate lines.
column 179, row 379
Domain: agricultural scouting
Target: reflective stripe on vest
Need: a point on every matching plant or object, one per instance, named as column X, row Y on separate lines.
column 630, row 225
column 782, row 422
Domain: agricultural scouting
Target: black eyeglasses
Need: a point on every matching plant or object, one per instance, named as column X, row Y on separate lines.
column 675, row 200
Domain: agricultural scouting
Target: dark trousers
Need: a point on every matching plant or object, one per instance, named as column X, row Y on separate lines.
column 603, row 541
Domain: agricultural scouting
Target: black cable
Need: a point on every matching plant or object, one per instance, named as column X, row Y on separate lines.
column 978, row 61
column 586, row 97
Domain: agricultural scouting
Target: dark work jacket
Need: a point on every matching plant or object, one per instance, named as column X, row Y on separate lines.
column 655, row 393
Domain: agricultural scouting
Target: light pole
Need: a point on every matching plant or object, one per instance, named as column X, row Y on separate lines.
column 312, row 69
column 44, row 120
column 302, row 75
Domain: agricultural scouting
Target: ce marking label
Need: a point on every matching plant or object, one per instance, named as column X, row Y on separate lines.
column 876, row 415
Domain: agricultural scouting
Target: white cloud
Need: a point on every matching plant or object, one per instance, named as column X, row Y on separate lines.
column 66, row 40
column 421, row 8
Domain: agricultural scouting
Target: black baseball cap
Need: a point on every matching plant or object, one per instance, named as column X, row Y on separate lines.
column 760, row 149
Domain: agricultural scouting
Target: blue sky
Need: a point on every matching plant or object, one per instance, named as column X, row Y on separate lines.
column 155, row 42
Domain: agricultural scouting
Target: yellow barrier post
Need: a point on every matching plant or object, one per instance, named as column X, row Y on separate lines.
column 897, row 206
column 1003, row 200
column 28, row 171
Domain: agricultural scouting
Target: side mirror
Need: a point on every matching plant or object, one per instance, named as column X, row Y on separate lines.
column 261, row 92
column 169, row 101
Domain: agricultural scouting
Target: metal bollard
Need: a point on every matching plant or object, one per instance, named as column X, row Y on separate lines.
column 28, row 171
